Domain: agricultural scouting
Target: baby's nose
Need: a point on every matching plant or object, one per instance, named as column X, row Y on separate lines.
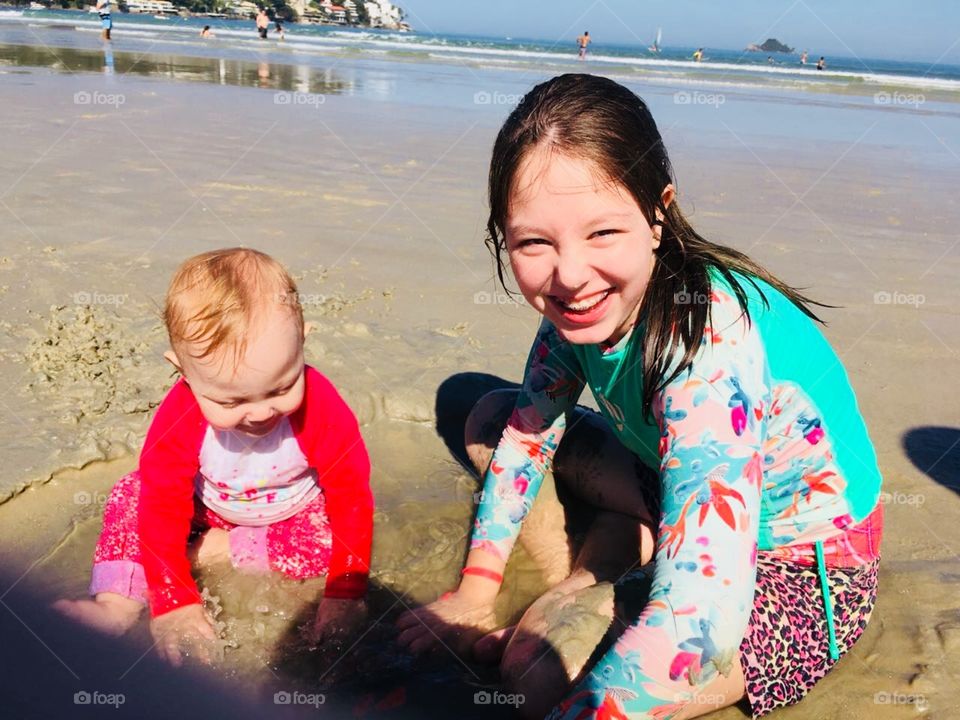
column 260, row 413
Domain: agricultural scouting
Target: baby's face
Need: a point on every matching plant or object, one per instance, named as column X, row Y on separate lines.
column 254, row 394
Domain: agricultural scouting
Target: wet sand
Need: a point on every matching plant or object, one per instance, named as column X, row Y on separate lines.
column 376, row 203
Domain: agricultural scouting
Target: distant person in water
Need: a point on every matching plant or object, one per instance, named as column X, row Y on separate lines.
column 103, row 9
column 263, row 22
column 803, row 58
column 582, row 43
column 278, row 28
column 205, row 33
column 821, row 63
column 698, row 55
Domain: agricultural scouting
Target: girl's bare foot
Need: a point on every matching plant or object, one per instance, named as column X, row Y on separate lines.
column 108, row 613
column 489, row 649
column 213, row 547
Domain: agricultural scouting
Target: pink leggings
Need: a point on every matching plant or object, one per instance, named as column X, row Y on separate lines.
column 298, row 547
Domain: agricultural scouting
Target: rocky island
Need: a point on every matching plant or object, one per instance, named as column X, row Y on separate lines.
column 770, row 45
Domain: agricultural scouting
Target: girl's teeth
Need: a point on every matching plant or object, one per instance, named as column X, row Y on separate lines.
column 585, row 305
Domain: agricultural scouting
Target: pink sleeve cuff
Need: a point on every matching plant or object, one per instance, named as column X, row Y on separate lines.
column 123, row 577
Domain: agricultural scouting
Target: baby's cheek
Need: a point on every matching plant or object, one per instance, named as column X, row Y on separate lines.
column 218, row 417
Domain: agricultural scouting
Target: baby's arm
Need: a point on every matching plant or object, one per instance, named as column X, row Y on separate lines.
column 330, row 439
column 168, row 467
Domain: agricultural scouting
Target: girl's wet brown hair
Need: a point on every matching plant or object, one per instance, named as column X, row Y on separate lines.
column 595, row 119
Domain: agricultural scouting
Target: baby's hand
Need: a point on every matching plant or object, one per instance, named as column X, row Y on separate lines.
column 186, row 631
column 338, row 619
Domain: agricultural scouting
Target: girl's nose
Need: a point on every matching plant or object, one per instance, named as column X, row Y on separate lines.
column 571, row 271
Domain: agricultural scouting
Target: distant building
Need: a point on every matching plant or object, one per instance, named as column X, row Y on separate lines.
column 384, row 14
column 153, row 7
column 242, row 9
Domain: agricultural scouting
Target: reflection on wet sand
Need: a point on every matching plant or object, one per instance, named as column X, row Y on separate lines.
column 216, row 71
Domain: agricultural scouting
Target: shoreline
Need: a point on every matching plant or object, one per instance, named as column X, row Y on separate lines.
column 309, row 44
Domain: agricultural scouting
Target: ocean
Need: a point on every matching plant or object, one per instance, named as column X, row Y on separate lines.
column 904, row 81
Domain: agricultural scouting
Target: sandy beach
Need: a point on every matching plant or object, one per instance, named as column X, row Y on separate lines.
column 367, row 179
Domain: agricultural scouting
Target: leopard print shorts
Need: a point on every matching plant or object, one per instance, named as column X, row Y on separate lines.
column 786, row 647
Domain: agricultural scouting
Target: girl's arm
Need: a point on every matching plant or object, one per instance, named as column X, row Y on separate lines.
column 552, row 383
column 712, row 427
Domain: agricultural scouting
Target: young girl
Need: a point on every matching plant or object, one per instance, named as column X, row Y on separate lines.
column 730, row 452
column 251, row 447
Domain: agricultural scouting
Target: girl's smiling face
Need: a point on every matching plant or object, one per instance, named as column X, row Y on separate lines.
column 581, row 250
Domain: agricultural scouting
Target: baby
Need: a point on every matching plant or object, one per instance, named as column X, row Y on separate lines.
column 252, row 448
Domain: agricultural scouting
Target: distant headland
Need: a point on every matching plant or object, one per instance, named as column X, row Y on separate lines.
column 771, row 45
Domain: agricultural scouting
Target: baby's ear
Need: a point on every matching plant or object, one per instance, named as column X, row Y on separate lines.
column 172, row 358
column 307, row 329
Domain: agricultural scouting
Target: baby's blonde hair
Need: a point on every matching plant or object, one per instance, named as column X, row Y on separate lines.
column 216, row 297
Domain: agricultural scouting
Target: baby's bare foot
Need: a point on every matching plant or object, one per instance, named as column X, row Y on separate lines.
column 108, row 613
column 213, row 547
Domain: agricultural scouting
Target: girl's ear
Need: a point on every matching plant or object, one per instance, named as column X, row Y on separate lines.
column 307, row 329
column 666, row 197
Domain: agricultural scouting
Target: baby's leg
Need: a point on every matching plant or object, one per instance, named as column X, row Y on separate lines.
column 118, row 584
column 298, row 547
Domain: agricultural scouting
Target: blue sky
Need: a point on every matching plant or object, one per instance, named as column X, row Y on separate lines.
column 901, row 29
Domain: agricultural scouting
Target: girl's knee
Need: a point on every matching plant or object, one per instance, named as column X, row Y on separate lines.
column 485, row 425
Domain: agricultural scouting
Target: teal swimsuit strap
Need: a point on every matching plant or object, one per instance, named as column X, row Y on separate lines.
column 827, row 603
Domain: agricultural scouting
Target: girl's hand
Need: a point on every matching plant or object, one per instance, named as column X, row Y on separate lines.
column 337, row 620
column 188, row 630
column 457, row 620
